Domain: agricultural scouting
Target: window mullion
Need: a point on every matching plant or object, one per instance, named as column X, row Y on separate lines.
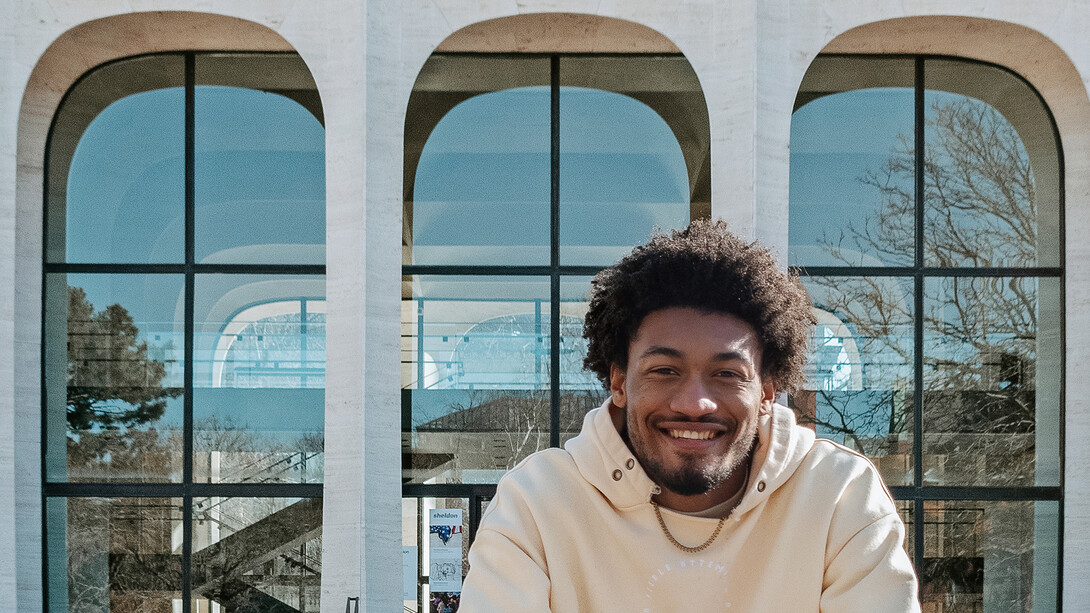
column 187, row 371
column 918, row 316
column 554, row 252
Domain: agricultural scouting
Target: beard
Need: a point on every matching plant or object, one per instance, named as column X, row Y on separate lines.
column 698, row 474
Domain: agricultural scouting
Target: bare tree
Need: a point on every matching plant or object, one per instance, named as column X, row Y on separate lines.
column 979, row 332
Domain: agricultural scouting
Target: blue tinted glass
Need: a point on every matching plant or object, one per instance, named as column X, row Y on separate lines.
column 859, row 371
column 113, row 377
column 992, row 364
column 475, row 375
column 259, row 178
column 622, row 174
column 481, row 190
column 259, row 378
column 118, row 195
column 852, row 186
column 991, row 190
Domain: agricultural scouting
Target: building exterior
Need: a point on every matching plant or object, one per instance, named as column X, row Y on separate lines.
column 349, row 243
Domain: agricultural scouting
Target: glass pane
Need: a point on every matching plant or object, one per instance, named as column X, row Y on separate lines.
column 475, row 375
column 113, row 377
column 905, row 510
column 114, row 554
column 580, row 390
column 852, row 194
column 633, row 144
column 116, row 185
column 260, row 162
column 991, row 377
column 989, row 556
column 259, row 378
column 477, row 149
column 992, row 187
column 859, row 375
column 252, row 555
column 434, row 547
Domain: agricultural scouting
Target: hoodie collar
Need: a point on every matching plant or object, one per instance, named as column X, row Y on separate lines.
column 607, row 463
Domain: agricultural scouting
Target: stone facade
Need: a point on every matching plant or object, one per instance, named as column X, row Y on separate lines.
column 750, row 57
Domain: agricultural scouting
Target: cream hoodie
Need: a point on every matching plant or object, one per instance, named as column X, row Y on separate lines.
column 573, row 530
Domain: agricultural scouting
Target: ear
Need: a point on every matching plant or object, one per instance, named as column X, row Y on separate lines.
column 768, row 396
column 616, row 386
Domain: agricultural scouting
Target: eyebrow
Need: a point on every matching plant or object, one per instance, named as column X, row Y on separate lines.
column 725, row 356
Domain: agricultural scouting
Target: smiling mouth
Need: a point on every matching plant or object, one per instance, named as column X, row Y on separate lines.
column 694, row 435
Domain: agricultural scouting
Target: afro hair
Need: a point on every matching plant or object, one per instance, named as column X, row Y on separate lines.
column 704, row 267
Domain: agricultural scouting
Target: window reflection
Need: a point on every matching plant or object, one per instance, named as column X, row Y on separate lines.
column 476, row 371
column 619, row 161
column 245, row 172
column 988, row 556
column 859, row 373
column 114, row 554
column 851, row 201
column 259, row 378
column 119, row 350
column 257, row 554
column 991, row 186
column 982, row 349
column 985, row 382
column 117, row 172
column 486, row 160
column 114, row 387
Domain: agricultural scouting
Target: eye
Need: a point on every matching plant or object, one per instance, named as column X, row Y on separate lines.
column 730, row 374
column 662, row 370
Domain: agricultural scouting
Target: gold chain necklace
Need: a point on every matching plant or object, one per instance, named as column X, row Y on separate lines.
column 686, row 548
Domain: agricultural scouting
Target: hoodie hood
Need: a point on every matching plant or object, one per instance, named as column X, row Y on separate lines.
column 607, row 463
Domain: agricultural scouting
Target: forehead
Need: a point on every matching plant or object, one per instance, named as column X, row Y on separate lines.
column 695, row 332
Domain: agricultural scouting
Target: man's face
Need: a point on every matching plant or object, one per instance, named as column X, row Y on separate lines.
column 691, row 395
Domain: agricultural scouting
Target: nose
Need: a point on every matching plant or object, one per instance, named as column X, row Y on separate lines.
column 692, row 398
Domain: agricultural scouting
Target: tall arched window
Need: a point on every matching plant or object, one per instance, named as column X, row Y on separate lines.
column 925, row 214
column 524, row 175
column 183, row 414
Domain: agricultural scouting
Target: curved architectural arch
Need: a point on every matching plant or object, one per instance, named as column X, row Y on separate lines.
column 1050, row 73
column 1050, row 70
column 60, row 67
column 557, row 33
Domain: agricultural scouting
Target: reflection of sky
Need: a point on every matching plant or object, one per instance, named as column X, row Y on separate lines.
column 260, row 156
column 483, row 178
column 835, row 141
column 151, row 300
column 126, row 182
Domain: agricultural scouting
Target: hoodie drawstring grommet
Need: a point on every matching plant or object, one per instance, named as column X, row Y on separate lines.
column 617, row 475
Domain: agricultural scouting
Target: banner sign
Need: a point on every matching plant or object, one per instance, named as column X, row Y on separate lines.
column 445, row 555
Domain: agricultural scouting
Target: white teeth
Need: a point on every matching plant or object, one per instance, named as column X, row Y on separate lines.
column 692, row 434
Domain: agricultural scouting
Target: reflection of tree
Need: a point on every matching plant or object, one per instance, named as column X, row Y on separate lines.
column 495, row 429
column 114, row 391
column 111, row 380
column 495, row 407
column 980, row 332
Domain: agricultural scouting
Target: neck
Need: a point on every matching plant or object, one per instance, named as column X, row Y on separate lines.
column 707, row 500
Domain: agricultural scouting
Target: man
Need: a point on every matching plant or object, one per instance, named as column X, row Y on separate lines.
column 690, row 489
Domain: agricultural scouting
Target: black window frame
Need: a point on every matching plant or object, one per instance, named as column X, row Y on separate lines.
column 478, row 495
column 918, row 494
column 185, row 490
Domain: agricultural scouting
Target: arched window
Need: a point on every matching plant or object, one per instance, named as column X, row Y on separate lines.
column 925, row 213
column 184, row 336
column 525, row 175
